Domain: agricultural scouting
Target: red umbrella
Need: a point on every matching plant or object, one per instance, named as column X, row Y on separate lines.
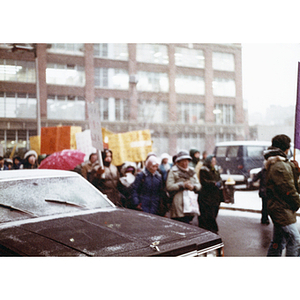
column 63, row 160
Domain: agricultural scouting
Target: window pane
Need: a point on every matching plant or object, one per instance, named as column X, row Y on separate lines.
column 152, row 53
column 189, row 57
column 152, row 111
column 189, row 85
column 111, row 78
column 224, row 87
column 111, row 51
column 67, row 48
column 223, row 61
column 152, row 81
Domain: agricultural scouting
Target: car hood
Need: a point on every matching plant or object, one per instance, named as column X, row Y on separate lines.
column 114, row 232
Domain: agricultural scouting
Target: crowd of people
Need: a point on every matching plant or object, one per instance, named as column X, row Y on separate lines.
column 159, row 186
column 30, row 161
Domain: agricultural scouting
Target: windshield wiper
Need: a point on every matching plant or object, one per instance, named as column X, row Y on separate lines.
column 65, row 202
column 17, row 209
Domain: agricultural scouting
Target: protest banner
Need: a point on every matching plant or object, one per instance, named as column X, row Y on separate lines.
column 130, row 146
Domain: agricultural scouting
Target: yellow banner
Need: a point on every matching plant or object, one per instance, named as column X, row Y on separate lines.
column 35, row 144
column 130, row 146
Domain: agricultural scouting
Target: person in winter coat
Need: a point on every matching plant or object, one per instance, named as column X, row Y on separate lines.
column 164, row 166
column 148, row 187
column 125, row 186
column 282, row 197
column 17, row 162
column 261, row 176
column 195, row 155
column 181, row 177
column 3, row 167
column 106, row 179
column 88, row 166
column 210, row 194
column 30, row 160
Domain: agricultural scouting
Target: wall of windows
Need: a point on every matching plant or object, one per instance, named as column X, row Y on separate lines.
column 73, row 75
column 153, row 82
column 192, row 58
column 223, row 61
column 152, row 111
column 67, row 48
column 152, row 53
column 65, row 107
column 160, row 143
column 224, row 87
column 111, row 78
column 191, row 113
column 224, row 114
column 185, row 84
column 16, row 70
column 187, row 141
column 225, row 137
column 111, row 51
column 17, row 105
column 112, row 109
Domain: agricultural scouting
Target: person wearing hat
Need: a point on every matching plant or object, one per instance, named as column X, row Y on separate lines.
column 30, row 160
column 181, row 177
column 9, row 163
column 147, row 188
column 127, row 177
column 195, row 155
column 210, row 194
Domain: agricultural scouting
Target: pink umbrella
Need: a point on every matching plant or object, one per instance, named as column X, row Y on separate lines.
column 63, row 160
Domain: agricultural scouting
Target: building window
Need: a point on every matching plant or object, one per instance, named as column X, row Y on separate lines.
column 152, row 111
column 160, row 142
column 224, row 114
column 193, row 85
column 223, row 61
column 224, row 137
column 189, row 141
column 224, row 87
column 72, row 75
column 191, row 113
column 112, row 109
column 67, row 48
column 192, row 58
column 16, row 70
column 152, row 53
column 152, row 82
column 17, row 105
column 65, row 108
column 111, row 78
column 111, row 51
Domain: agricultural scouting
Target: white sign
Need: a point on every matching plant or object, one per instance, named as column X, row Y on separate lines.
column 95, row 125
column 84, row 143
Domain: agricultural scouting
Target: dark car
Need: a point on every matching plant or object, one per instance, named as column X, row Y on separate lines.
column 59, row 213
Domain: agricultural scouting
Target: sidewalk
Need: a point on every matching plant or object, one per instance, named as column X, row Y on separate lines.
column 246, row 201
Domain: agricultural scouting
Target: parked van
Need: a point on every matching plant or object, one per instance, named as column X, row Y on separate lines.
column 237, row 158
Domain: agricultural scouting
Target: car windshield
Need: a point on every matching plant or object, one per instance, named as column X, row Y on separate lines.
column 27, row 198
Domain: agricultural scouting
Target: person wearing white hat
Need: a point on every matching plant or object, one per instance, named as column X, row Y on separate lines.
column 30, row 160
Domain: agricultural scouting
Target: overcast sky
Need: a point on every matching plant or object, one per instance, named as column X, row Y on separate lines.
column 269, row 74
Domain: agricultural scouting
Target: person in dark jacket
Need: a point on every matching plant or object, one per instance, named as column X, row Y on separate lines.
column 148, row 187
column 210, row 194
column 261, row 176
column 282, row 197
column 195, row 155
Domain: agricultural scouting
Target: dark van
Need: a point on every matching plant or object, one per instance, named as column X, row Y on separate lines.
column 237, row 158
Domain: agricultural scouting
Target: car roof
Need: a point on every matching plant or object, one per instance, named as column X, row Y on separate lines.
column 36, row 173
column 244, row 143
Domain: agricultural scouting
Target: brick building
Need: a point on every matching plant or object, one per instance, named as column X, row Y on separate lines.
column 188, row 95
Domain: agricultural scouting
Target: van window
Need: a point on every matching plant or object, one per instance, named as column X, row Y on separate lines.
column 255, row 151
column 233, row 151
column 221, row 151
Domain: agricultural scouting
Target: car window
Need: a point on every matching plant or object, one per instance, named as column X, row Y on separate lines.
column 221, row 151
column 255, row 151
column 22, row 199
column 233, row 151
